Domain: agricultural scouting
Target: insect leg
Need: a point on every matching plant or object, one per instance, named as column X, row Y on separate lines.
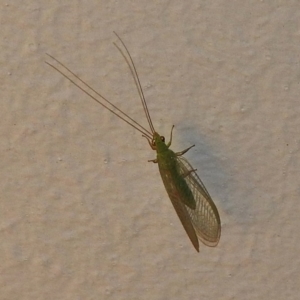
column 153, row 160
column 169, row 144
column 188, row 172
column 184, row 151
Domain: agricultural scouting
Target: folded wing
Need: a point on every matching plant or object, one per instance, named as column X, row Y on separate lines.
column 205, row 217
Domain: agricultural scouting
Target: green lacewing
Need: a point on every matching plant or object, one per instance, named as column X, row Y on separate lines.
column 195, row 208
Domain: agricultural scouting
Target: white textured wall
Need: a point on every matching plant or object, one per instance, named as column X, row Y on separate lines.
column 83, row 215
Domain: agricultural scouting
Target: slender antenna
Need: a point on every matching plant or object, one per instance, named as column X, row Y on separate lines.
column 133, row 70
column 144, row 131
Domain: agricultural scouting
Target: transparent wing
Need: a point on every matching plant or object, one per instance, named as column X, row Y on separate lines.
column 205, row 217
column 176, row 198
column 184, row 217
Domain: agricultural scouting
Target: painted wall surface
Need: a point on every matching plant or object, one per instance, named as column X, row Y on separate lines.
column 83, row 215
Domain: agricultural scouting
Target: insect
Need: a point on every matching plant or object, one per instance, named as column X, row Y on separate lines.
column 192, row 202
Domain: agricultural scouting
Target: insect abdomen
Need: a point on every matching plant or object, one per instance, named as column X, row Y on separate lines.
column 174, row 181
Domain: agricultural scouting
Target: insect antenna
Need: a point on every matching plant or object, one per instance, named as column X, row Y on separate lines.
column 115, row 109
column 135, row 76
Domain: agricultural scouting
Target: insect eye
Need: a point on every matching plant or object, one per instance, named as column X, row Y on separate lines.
column 162, row 138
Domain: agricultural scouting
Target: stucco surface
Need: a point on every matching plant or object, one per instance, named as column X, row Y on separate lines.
column 83, row 214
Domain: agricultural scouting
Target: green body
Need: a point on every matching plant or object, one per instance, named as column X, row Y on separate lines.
column 179, row 192
column 194, row 207
column 170, row 173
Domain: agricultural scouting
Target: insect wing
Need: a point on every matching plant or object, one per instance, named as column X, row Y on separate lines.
column 205, row 217
column 185, row 219
column 179, row 206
